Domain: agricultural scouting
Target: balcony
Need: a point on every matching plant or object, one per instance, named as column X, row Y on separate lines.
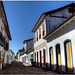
column 4, row 43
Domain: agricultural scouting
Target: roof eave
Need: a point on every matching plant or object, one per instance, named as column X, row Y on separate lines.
column 58, row 26
column 7, row 29
column 42, row 15
column 50, row 12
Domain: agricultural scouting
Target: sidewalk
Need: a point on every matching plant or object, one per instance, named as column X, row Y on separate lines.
column 26, row 64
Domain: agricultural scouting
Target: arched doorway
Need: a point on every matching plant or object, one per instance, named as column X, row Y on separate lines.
column 58, row 57
column 68, row 55
column 51, row 58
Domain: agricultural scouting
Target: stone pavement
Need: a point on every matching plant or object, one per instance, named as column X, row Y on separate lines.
column 22, row 68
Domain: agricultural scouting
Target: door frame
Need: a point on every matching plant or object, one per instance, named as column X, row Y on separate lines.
column 37, row 58
column 57, row 58
column 65, row 54
column 40, row 58
column 50, row 58
column 44, row 56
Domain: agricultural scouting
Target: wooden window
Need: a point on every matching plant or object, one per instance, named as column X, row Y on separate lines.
column 34, row 38
column 40, row 33
column 37, row 35
column 2, row 29
column 71, row 10
column 43, row 30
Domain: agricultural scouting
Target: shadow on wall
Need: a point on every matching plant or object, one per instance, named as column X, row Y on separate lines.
column 56, row 68
column 60, row 69
column 67, row 29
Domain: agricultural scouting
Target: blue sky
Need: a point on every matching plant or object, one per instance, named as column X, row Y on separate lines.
column 22, row 16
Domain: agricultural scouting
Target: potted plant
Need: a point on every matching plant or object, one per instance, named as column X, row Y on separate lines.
column 32, row 62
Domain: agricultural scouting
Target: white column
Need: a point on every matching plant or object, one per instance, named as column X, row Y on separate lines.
column 36, row 57
column 48, row 55
column 73, row 52
column 62, row 56
column 54, row 57
column 39, row 57
column 42, row 57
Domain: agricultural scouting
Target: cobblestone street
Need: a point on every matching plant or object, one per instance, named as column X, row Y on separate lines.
column 20, row 68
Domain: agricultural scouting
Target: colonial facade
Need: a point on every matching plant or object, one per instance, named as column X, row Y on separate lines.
column 47, row 47
column 9, row 57
column 60, row 46
column 20, row 53
column 29, row 51
column 4, row 35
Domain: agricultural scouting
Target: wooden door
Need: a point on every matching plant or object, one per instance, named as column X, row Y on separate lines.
column 37, row 58
column 44, row 55
column 58, row 57
column 40, row 59
column 51, row 58
column 69, row 56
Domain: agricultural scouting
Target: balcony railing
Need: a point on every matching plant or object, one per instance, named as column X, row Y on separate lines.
column 2, row 40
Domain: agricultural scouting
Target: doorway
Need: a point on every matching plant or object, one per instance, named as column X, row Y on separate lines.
column 58, row 57
column 68, row 56
column 37, row 58
column 40, row 59
column 51, row 58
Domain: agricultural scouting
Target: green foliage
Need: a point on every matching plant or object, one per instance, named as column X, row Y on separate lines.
column 16, row 57
column 31, row 59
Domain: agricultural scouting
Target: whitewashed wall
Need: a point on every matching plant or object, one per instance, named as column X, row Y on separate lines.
column 40, row 40
column 8, row 60
column 67, row 32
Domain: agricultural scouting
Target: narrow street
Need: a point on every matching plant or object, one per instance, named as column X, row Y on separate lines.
column 20, row 68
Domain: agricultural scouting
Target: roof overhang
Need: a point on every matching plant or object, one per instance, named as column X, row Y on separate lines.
column 66, row 22
column 6, row 23
column 38, row 22
column 49, row 12
column 27, row 40
column 30, row 50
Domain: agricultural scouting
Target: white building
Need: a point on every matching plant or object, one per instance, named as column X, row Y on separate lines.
column 4, row 35
column 20, row 53
column 61, row 45
column 9, row 57
column 29, row 51
column 46, row 24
